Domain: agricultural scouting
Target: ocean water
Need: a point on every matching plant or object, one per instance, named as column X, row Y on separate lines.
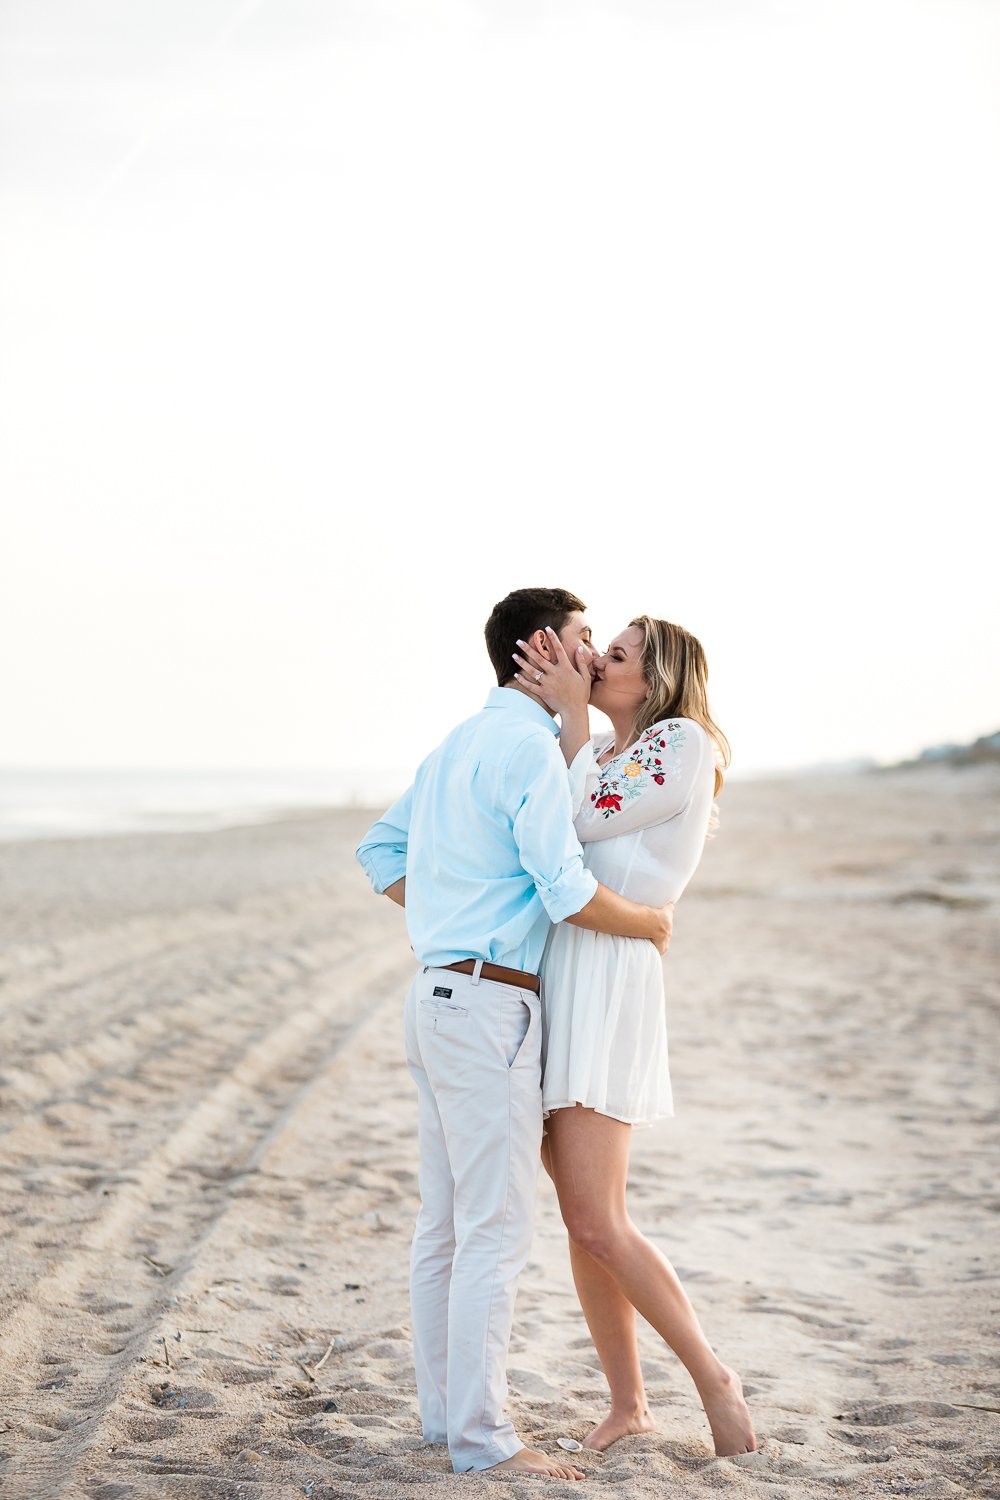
column 69, row 803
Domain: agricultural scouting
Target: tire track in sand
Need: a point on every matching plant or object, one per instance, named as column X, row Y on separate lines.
column 44, row 1324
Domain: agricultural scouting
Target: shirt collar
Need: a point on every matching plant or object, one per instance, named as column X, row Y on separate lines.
column 520, row 703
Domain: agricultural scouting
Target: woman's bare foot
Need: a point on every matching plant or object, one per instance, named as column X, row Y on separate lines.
column 530, row 1461
column 618, row 1424
column 729, row 1416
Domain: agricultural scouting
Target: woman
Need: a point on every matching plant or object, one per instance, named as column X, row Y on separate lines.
column 643, row 801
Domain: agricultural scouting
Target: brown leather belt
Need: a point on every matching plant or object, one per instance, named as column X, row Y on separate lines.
column 499, row 973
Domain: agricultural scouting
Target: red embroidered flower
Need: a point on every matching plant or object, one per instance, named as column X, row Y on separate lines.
column 612, row 802
column 658, row 779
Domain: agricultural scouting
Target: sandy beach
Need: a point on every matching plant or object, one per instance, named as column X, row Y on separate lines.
column 209, row 1164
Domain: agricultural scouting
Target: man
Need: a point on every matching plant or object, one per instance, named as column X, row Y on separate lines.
column 482, row 853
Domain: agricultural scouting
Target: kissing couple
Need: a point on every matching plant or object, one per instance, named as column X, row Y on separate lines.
column 538, row 868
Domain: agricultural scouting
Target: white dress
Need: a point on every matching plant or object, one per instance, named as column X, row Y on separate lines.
column 642, row 819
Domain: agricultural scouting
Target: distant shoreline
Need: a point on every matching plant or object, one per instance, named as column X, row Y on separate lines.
column 84, row 817
column 72, row 803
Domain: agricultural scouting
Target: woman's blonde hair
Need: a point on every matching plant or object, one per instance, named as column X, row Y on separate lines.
column 674, row 666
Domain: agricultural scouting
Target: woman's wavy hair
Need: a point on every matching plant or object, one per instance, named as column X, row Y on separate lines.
column 674, row 666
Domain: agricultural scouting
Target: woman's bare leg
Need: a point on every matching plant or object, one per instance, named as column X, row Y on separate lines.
column 611, row 1319
column 588, row 1161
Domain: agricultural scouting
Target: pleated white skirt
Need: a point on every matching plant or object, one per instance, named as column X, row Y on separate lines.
column 604, row 1026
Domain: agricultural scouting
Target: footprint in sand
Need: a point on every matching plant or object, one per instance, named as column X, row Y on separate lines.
column 895, row 1414
column 859, row 1438
column 531, row 1383
column 188, row 1398
column 238, row 1374
column 900, row 1276
column 142, row 1429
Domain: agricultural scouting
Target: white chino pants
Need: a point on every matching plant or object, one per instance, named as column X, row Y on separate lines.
column 473, row 1047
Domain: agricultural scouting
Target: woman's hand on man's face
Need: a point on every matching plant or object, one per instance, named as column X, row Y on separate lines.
column 561, row 683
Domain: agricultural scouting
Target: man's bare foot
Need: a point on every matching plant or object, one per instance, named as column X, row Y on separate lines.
column 729, row 1416
column 530, row 1461
column 617, row 1425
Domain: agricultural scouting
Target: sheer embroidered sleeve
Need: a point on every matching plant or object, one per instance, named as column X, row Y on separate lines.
column 649, row 783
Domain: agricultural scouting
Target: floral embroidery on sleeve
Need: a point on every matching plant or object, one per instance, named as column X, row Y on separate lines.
column 648, row 760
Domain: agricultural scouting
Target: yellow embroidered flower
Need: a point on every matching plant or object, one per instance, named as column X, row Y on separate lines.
column 633, row 768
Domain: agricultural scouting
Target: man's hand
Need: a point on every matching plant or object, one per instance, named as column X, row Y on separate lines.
column 606, row 911
column 664, row 926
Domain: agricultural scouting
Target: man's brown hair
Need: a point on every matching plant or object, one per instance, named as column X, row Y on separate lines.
column 517, row 616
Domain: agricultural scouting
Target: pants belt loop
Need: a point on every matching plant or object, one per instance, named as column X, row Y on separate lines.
column 477, row 971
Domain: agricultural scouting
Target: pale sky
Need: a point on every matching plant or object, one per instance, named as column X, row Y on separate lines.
column 323, row 325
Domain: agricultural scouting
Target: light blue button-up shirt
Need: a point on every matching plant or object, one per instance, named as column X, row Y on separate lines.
column 485, row 839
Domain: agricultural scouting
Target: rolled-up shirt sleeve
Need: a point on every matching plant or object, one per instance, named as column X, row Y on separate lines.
column 382, row 851
column 537, row 793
